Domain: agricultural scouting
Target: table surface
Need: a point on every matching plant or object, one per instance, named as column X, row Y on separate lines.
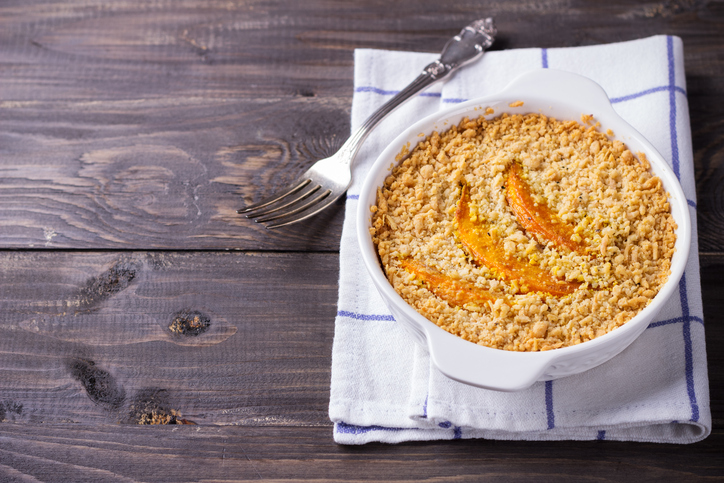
column 130, row 133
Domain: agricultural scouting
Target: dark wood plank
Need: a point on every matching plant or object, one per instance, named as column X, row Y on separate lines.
column 218, row 338
column 167, row 173
column 197, row 453
column 145, row 125
column 712, row 284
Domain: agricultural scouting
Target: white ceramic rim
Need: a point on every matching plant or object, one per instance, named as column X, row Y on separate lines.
column 558, row 94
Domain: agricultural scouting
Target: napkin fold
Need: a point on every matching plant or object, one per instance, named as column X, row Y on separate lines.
column 384, row 387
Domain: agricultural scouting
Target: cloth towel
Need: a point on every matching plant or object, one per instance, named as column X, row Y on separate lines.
column 384, row 387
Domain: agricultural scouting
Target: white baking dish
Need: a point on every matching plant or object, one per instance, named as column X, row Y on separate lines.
column 556, row 94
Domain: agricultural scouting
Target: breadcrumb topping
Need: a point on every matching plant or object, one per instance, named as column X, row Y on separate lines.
column 580, row 184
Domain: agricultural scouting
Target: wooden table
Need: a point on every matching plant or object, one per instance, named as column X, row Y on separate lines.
column 131, row 131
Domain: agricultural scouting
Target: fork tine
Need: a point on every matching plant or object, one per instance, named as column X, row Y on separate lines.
column 299, row 209
column 290, row 200
column 305, row 214
column 275, row 197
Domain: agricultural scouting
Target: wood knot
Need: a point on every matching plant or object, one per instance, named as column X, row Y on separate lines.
column 306, row 92
column 100, row 386
column 109, row 283
column 189, row 323
column 152, row 407
column 9, row 407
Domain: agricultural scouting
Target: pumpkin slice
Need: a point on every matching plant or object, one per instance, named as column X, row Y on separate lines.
column 454, row 292
column 538, row 219
column 487, row 250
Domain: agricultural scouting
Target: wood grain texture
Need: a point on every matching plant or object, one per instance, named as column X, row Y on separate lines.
column 92, row 341
column 191, row 453
column 147, row 124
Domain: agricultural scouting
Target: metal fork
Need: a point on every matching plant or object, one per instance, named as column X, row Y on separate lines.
column 329, row 178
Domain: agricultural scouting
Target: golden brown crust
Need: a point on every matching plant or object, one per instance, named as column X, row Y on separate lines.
column 618, row 211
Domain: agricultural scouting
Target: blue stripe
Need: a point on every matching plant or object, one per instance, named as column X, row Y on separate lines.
column 456, row 100
column 424, row 407
column 382, row 92
column 544, row 58
column 457, row 430
column 601, row 435
column 672, row 107
column 375, row 90
column 549, row 405
column 691, row 203
column 390, row 318
column 615, row 100
column 686, row 329
column 453, row 100
column 342, row 427
column 689, row 318
column 423, row 94
column 352, row 197
column 352, row 315
column 689, row 361
column 688, row 352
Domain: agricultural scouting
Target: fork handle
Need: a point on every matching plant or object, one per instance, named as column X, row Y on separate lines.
column 462, row 49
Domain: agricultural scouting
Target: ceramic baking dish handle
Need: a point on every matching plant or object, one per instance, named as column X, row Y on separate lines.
column 487, row 368
column 558, row 86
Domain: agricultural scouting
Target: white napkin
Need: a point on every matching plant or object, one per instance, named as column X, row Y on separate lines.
column 383, row 385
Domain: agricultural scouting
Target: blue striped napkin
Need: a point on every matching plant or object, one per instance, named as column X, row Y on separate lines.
column 383, row 385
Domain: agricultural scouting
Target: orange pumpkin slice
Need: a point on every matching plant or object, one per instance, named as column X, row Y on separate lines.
column 488, row 250
column 454, row 292
column 538, row 219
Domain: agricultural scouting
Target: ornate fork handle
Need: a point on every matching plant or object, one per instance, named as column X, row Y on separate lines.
column 462, row 49
column 328, row 179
